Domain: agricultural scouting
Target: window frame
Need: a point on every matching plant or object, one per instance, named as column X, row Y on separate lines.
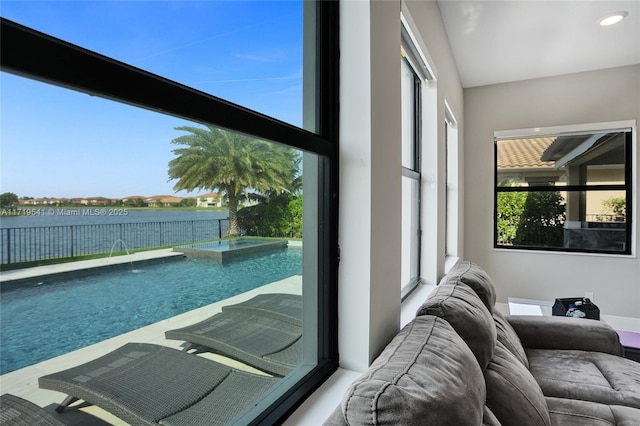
column 629, row 127
column 451, row 185
column 413, row 172
column 58, row 62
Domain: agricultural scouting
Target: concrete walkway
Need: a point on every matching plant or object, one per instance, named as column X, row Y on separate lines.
column 24, row 382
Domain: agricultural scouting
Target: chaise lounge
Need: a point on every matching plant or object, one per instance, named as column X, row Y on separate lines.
column 264, row 332
column 15, row 411
column 460, row 362
column 146, row 384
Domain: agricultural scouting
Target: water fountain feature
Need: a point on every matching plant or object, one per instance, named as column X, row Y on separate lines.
column 126, row 249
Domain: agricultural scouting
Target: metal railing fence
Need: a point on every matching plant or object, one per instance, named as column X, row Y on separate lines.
column 56, row 242
column 605, row 218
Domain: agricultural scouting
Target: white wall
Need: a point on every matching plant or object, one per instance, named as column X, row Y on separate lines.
column 590, row 97
column 370, row 166
column 370, row 185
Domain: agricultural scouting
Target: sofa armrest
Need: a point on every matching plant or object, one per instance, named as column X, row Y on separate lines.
column 553, row 332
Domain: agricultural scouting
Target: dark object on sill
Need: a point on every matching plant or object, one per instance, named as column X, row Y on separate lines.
column 577, row 307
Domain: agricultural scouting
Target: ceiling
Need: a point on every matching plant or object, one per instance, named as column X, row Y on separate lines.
column 502, row 41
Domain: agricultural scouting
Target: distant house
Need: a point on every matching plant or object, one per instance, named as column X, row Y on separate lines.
column 96, row 201
column 77, row 201
column 171, row 201
column 212, row 199
column 163, row 201
column 134, row 197
column 39, row 202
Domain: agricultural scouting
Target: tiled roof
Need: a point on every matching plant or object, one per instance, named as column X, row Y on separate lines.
column 171, row 199
column 523, row 153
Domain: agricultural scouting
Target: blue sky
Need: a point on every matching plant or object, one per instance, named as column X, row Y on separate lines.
column 60, row 143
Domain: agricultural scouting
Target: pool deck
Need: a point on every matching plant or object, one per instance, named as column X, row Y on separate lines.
column 24, row 382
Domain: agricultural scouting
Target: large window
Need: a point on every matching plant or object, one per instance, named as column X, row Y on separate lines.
column 565, row 190
column 410, row 98
column 246, row 52
column 221, row 112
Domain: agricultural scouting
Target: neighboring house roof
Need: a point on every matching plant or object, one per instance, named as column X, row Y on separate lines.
column 159, row 197
column 518, row 154
column 171, row 199
column 209, row 195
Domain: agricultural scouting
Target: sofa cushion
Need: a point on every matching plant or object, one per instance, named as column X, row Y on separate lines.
column 512, row 393
column 488, row 418
column 586, row 376
column 571, row 412
column 475, row 277
column 508, row 337
column 426, row 375
column 462, row 308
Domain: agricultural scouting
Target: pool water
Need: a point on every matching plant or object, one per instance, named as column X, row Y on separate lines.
column 38, row 323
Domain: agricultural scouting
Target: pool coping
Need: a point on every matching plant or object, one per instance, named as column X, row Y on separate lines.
column 17, row 278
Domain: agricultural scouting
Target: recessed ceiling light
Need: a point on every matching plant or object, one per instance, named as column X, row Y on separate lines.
column 612, row 18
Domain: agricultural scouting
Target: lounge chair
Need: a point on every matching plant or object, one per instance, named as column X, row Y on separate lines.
column 15, row 411
column 282, row 306
column 146, row 384
column 264, row 332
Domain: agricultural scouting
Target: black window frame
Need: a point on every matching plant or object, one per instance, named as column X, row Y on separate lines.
column 38, row 56
column 627, row 187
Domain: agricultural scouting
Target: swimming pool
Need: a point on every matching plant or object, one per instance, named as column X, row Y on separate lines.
column 41, row 322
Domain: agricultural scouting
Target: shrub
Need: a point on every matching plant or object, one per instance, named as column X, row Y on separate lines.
column 277, row 215
column 542, row 221
column 510, row 208
column 616, row 207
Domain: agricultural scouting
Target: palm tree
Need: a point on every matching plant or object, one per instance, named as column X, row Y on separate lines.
column 231, row 163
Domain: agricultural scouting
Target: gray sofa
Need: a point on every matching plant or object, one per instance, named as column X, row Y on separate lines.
column 460, row 362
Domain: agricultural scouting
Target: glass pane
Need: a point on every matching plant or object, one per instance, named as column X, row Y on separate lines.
column 588, row 159
column 586, row 220
column 247, row 52
column 408, row 116
column 410, row 232
column 604, row 225
column 192, row 217
column 533, row 219
column 451, row 226
column 606, row 207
